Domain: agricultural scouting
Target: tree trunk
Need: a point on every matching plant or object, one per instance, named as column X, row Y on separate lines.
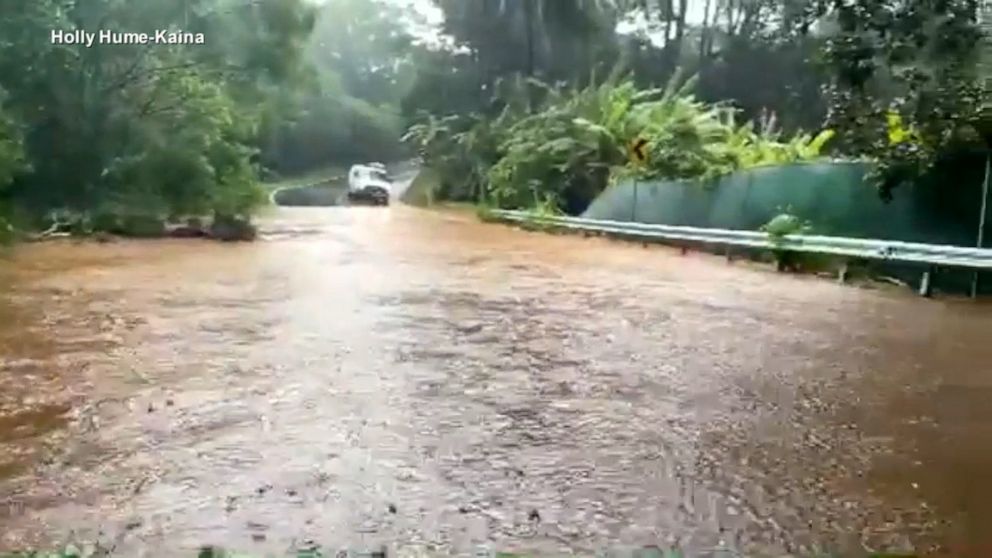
column 667, row 13
column 732, row 12
column 704, row 33
column 985, row 48
column 529, row 16
column 680, row 30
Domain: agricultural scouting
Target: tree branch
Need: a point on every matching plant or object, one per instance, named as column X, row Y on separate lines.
column 153, row 71
column 130, row 72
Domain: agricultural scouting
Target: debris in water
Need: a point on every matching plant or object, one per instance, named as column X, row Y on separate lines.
column 309, row 546
column 141, row 484
column 392, row 508
column 470, row 329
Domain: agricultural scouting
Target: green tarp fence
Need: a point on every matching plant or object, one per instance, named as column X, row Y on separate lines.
column 832, row 196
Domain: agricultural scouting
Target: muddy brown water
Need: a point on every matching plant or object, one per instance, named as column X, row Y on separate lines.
column 374, row 376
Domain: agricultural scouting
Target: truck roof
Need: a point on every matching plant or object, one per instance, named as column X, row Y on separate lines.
column 370, row 166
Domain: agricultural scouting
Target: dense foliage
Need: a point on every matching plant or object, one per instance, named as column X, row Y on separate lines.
column 360, row 62
column 909, row 87
column 111, row 130
column 747, row 52
column 900, row 82
column 511, row 100
column 566, row 151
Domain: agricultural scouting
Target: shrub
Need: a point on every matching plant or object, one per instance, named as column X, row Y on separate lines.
column 575, row 143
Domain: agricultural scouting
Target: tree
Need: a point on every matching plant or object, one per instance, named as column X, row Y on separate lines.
column 551, row 39
column 360, row 62
column 159, row 128
column 11, row 151
column 906, row 87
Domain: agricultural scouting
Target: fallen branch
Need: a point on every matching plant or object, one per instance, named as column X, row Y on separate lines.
column 893, row 281
column 55, row 231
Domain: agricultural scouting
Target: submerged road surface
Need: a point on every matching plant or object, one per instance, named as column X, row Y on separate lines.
column 420, row 380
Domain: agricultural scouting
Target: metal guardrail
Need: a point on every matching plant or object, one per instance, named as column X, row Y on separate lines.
column 302, row 186
column 888, row 250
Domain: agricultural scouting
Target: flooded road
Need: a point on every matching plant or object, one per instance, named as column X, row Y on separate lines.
column 420, row 380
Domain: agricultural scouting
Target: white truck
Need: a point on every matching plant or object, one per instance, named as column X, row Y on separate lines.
column 369, row 183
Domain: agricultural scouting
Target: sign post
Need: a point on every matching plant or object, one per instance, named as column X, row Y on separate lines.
column 636, row 151
column 638, row 154
column 633, row 206
column 976, row 278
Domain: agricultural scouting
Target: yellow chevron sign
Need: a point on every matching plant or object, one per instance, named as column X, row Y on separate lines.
column 637, row 151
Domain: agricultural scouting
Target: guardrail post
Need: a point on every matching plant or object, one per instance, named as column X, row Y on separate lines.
column 843, row 273
column 633, row 206
column 977, row 276
column 926, row 282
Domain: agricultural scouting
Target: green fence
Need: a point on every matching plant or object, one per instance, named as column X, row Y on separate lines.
column 832, row 196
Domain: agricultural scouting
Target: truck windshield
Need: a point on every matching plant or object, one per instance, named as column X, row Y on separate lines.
column 379, row 175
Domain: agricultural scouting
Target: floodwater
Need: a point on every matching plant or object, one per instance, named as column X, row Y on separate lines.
column 368, row 376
